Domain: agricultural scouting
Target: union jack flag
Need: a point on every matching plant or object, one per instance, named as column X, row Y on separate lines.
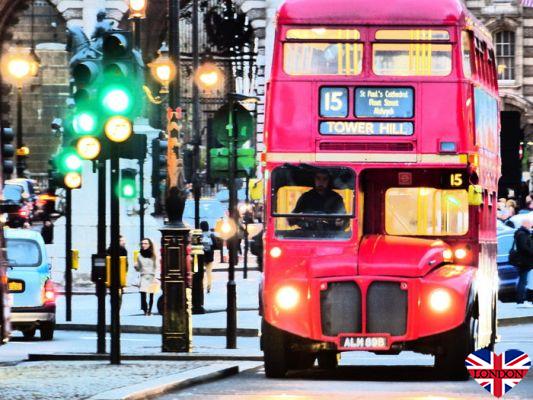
column 498, row 373
column 527, row 3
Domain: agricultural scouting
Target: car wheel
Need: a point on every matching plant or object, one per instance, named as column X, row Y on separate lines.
column 47, row 330
column 328, row 359
column 29, row 333
column 274, row 345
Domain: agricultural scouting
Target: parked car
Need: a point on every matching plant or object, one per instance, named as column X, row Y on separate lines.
column 20, row 211
column 29, row 192
column 211, row 210
column 29, row 281
column 507, row 273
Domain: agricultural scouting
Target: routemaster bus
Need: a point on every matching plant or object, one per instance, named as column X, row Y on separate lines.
column 381, row 170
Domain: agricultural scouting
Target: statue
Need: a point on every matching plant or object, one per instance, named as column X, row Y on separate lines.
column 100, row 29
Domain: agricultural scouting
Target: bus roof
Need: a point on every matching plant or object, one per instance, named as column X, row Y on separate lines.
column 363, row 12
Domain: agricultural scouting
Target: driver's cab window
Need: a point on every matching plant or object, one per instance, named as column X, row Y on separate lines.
column 313, row 202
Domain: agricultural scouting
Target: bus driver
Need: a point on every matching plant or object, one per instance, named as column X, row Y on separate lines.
column 320, row 200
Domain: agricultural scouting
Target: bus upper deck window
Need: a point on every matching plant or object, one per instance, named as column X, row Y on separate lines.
column 412, row 34
column 412, row 59
column 322, row 51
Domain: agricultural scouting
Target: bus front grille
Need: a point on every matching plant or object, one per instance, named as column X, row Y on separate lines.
column 340, row 308
column 386, row 310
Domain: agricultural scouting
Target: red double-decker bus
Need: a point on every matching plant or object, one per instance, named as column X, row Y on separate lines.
column 381, row 170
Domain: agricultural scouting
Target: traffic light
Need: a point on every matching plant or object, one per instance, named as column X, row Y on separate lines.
column 188, row 163
column 8, row 151
column 66, row 169
column 128, row 184
column 159, row 170
column 219, row 141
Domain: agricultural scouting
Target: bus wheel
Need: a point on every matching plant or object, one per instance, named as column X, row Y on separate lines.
column 458, row 344
column 328, row 359
column 301, row 360
column 275, row 353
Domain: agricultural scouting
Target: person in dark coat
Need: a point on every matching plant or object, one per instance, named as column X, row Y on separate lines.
column 47, row 232
column 524, row 248
column 208, row 241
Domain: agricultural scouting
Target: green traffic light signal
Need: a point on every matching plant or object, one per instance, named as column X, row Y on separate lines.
column 84, row 123
column 116, row 101
column 128, row 185
column 72, row 162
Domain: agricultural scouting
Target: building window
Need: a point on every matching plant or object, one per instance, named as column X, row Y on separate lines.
column 505, row 52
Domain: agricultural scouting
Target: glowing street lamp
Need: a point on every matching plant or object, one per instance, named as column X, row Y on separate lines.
column 208, row 77
column 17, row 67
column 163, row 69
column 138, row 8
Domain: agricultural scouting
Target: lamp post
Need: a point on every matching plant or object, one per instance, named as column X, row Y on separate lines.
column 137, row 12
column 18, row 67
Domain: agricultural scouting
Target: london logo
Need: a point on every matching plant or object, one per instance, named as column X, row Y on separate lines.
column 498, row 373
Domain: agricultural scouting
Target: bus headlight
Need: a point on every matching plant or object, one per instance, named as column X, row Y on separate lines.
column 287, row 297
column 440, row 300
column 460, row 253
column 275, row 252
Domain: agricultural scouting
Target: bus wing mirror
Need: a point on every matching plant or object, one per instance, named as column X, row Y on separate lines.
column 475, row 195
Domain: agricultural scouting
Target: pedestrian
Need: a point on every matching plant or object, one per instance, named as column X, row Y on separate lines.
column 47, row 232
column 122, row 251
column 146, row 265
column 523, row 243
column 208, row 241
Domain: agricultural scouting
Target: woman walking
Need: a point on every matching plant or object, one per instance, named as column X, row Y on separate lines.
column 146, row 265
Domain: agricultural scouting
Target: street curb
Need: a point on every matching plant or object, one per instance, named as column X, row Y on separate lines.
column 513, row 321
column 242, row 332
column 140, row 357
column 159, row 386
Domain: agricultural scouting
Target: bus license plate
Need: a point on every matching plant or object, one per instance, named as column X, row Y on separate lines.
column 358, row 342
column 15, row 286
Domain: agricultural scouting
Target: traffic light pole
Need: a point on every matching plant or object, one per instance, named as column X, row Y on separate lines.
column 68, row 254
column 231, row 314
column 246, row 239
column 100, row 284
column 142, row 200
column 197, row 283
column 115, row 260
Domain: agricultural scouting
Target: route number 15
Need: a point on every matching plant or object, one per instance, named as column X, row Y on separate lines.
column 333, row 102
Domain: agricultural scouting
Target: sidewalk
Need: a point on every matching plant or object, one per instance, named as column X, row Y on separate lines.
column 84, row 309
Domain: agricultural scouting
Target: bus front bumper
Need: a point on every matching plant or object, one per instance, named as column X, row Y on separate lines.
column 374, row 313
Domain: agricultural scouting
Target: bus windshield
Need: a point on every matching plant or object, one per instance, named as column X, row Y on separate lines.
column 312, row 202
column 424, row 211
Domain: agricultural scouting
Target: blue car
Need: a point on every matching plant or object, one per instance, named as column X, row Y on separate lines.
column 30, row 284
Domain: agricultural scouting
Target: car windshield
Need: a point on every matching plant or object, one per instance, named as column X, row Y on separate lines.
column 312, row 202
column 13, row 193
column 23, row 253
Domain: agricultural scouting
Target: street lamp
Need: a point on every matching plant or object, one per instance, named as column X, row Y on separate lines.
column 209, row 77
column 137, row 12
column 163, row 69
column 138, row 9
column 18, row 67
